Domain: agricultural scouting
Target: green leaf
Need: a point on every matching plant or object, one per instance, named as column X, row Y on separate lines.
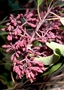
column 37, row 43
column 54, row 45
column 3, row 32
column 3, row 79
column 12, row 4
column 50, row 59
column 53, row 68
column 2, row 26
column 39, row 2
column 61, row 3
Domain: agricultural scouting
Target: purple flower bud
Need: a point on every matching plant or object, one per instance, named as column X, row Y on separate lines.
column 19, row 22
column 9, row 28
column 8, row 24
column 9, row 37
column 27, row 73
column 17, row 70
column 29, row 15
column 3, row 29
column 32, row 25
column 18, row 16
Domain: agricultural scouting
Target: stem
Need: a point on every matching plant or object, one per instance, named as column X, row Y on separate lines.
column 57, row 77
column 42, row 21
column 24, row 23
column 12, row 78
column 55, row 15
column 38, row 13
column 52, row 19
column 4, row 21
column 50, row 4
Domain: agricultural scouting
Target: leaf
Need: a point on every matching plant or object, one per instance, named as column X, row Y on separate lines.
column 61, row 3
column 54, row 45
column 37, row 43
column 2, row 26
column 50, row 59
column 3, row 79
column 39, row 2
column 62, row 20
column 3, row 32
column 12, row 4
column 53, row 68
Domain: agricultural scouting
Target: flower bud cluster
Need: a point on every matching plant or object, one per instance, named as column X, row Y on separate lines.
column 25, row 42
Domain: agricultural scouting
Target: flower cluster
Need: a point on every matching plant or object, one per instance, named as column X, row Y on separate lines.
column 28, row 67
column 25, row 42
